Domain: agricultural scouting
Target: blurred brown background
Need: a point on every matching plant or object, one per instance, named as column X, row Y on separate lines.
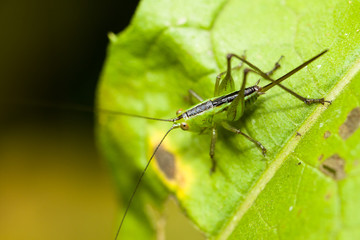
column 53, row 184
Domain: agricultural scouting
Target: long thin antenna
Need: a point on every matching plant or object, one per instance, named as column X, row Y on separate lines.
column 82, row 108
column 141, row 176
column 133, row 115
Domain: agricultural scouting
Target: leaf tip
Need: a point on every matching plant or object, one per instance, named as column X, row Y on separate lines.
column 112, row 37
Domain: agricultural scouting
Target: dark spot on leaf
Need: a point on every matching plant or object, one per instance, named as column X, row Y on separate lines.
column 334, row 167
column 328, row 196
column 356, row 163
column 299, row 212
column 299, row 163
column 321, row 157
column 351, row 124
column 327, row 134
column 166, row 162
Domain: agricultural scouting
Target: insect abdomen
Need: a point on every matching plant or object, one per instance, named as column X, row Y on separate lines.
column 251, row 99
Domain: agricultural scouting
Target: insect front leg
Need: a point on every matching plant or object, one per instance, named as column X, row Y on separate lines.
column 195, row 95
column 212, row 149
column 238, row 131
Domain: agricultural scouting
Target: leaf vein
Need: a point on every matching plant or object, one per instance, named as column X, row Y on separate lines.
column 284, row 153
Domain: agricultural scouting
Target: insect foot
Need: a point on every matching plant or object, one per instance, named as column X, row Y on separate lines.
column 262, row 148
column 213, row 167
column 309, row 101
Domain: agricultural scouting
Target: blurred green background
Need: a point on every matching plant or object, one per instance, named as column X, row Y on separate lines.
column 53, row 184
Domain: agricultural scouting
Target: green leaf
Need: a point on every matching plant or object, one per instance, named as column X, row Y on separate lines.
column 306, row 187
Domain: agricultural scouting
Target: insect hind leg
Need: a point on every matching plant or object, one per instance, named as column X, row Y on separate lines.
column 221, row 84
column 301, row 98
column 307, row 101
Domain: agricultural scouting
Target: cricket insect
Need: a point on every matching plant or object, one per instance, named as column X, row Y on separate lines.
column 226, row 106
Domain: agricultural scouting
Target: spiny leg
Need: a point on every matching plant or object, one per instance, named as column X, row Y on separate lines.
column 237, row 131
column 276, row 67
column 271, row 72
column 305, row 100
column 265, row 76
column 212, row 149
column 195, row 95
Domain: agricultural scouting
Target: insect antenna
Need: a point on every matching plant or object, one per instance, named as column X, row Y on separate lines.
column 132, row 115
column 86, row 109
column 141, row 176
column 97, row 110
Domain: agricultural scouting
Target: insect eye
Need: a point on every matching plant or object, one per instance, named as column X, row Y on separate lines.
column 179, row 111
column 184, row 126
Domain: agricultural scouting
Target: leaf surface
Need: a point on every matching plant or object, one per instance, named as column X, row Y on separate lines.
column 306, row 185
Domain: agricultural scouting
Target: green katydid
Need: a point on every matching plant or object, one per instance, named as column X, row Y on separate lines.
column 226, row 106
